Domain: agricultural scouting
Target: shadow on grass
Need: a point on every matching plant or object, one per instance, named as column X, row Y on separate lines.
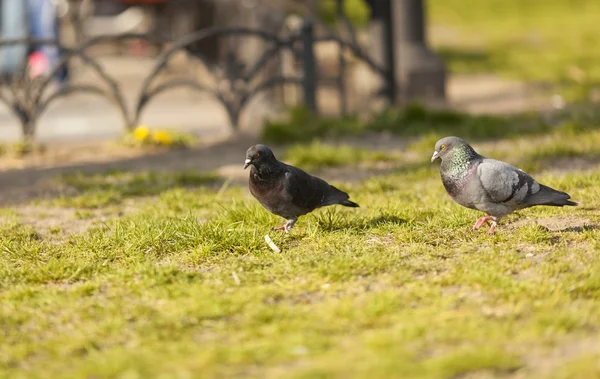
column 332, row 219
column 579, row 229
column 386, row 220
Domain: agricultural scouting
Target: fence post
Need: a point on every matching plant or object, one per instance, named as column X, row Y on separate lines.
column 309, row 66
column 382, row 45
column 341, row 78
column 419, row 70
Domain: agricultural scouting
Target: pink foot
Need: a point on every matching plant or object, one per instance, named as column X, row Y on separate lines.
column 287, row 226
column 493, row 227
column 481, row 221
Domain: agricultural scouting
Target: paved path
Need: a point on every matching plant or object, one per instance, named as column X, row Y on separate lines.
column 490, row 94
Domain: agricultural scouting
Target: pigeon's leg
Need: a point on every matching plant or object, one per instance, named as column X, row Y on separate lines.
column 289, row 224
column 480, row 221
column 494, row 224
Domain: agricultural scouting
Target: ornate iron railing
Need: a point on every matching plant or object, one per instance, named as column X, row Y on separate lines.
column 29, row 98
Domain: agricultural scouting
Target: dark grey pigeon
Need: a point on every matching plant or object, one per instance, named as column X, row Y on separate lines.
column 287, row 191
column 488, row 185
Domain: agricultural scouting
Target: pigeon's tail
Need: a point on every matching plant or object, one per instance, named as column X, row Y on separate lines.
column 562, row 203
column 551, row 197
column 348, row 203
column 336, row 196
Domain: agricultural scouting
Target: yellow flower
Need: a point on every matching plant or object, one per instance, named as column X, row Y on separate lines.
column 141, row 133
column 162, row 137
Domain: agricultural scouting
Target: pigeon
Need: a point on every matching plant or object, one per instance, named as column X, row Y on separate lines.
column 287, row 191
column 489, row 185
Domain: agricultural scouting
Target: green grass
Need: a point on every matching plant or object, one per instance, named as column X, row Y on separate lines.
column 413, row 120
column 184, row 285
column 101, row 190
column 553, row 41
column 302, row 126
column 416, row 121
column 318, row 155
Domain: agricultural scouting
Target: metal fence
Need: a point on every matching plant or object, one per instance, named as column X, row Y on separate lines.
column 28, row 98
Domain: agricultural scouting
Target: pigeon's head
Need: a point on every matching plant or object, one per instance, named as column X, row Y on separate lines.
column 447, row 145
column 258, row 155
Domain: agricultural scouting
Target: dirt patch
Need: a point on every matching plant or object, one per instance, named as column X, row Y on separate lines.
column 561, row 354
column 71, row 153
column 556, row 224
column 564, row 224
column 570, row 164
column 55, row 224
column 58, row 223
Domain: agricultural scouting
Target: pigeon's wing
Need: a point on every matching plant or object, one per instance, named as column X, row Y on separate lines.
column 309, row 192
column 505, row 184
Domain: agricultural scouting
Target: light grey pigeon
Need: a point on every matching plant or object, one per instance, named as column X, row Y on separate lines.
column 488, row 185
column 286, row 190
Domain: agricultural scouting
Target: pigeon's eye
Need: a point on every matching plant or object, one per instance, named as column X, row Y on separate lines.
column 443, row 147
column 256, row 155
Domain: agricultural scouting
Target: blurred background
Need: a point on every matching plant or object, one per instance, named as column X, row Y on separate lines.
column 165, row 73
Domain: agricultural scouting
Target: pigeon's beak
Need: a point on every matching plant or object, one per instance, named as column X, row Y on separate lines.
column 435, row 156
column 247, row 163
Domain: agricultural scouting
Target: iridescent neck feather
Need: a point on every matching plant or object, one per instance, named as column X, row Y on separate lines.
column 456, row 163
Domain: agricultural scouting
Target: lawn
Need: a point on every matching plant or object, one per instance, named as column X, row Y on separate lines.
column 555, row 42
column 167, row 275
